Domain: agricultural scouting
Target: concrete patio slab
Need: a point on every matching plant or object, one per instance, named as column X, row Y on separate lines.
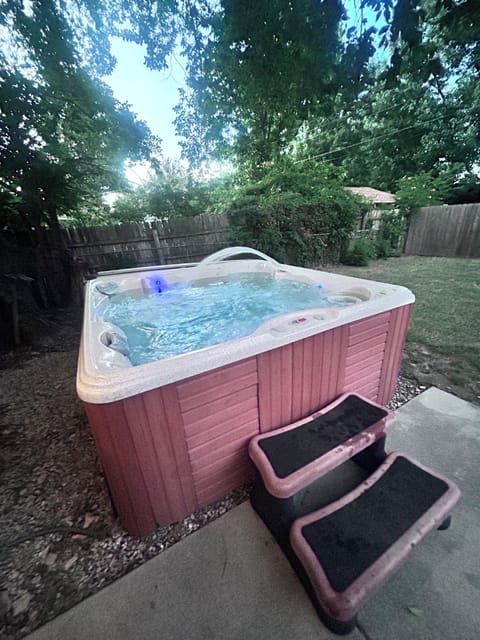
column 230, row 580
column 227, row 581
column 436, row 595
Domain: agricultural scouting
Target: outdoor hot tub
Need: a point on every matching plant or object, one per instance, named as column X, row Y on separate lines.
column 172, row 433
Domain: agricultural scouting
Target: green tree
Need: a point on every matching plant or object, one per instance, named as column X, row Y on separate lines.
column 421, row 190
column 421, row 112
column 265, row 67
column 430, row 37
column 173, row 191
column 392, row 132
column 63, row 137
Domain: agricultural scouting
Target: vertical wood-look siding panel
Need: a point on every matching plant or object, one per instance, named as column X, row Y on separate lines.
column 286, row 380
column 176, row 432
column 150, row 457
column 307, row 375
column 329, row 369
column 297, row 386
column 264, row 396
column 269, row 389
column 168, row 438
column 317, row 379
column 141, row 445
column 397, row 332
column 341, row 370
column 334, row 365
column 336, row 358
column 386, row 372
column 274, row 382
column 120, row 463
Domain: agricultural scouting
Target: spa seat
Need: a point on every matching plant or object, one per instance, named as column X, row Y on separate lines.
column 345, row 545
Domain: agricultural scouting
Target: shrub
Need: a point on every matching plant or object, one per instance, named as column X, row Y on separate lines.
column 383, row 248
column 296, row 213
column 392, row 229
column 361, row 253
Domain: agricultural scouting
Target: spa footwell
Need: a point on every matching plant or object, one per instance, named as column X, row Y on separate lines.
column 346, row 514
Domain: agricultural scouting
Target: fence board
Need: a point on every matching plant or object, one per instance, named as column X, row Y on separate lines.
column 447, row 230
column 142, row 244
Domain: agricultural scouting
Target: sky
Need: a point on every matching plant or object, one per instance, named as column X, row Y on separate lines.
column 152, row 94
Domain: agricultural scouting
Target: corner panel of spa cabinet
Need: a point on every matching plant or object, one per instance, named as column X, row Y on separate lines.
column 141, row 445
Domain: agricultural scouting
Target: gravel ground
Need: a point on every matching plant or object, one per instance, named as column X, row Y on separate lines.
column 59, row 539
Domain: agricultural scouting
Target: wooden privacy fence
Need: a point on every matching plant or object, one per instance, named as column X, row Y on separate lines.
column 141, row 243
column 447, row 230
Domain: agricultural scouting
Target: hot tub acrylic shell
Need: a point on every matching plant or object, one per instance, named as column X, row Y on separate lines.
column 172, row 435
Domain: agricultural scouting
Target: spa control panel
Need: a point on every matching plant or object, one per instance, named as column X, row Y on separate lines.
column 293, row 323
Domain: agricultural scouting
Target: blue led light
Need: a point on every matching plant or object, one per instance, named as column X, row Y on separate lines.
column 158, row 284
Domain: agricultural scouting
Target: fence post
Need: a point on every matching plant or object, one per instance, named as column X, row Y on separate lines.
column 156, row 241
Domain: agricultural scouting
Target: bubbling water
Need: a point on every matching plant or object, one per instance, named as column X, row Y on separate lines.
column 184, row 319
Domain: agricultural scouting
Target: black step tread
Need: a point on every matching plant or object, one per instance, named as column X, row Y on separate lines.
column 294, row 449
column 348, row 541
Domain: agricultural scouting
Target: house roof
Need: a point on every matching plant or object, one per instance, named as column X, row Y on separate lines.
column 373, row 195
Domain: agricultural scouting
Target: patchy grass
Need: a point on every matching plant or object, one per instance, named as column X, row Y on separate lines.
column 443, row 343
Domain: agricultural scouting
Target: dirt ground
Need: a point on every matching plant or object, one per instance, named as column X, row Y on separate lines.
column 60, row 540
column 423, row 366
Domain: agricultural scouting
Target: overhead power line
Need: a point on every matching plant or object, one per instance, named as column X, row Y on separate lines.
column 382, row 135
column 381, row 112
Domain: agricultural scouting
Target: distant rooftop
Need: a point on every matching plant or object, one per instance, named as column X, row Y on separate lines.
column 373, row 195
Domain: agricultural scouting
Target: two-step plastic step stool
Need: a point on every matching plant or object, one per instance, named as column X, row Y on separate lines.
column 344, row 550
